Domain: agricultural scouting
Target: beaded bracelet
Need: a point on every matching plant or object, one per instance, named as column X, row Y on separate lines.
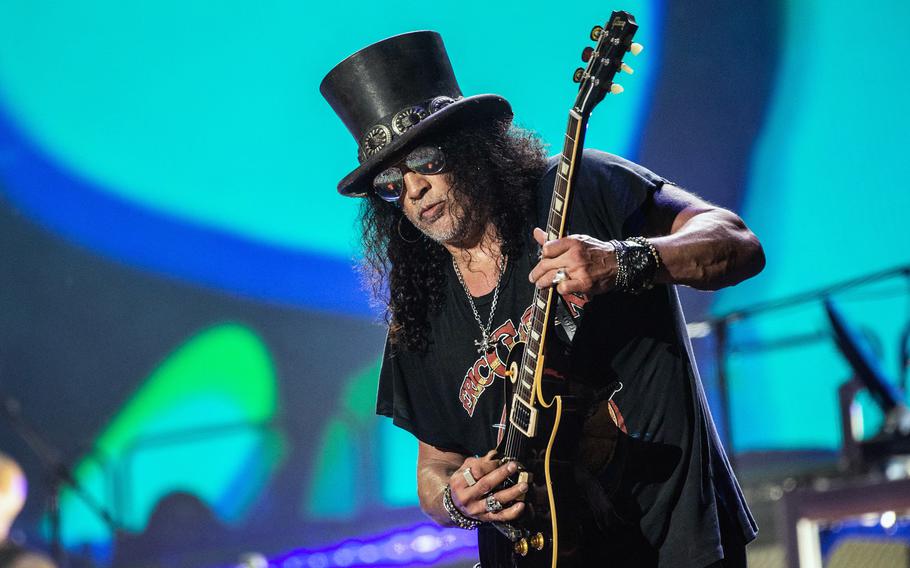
column 622, row 274
column 457, row 517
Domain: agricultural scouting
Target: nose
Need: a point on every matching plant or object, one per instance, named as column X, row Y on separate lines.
column 415, row 185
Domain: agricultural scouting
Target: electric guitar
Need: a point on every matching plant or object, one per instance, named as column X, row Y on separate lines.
column 543, row 433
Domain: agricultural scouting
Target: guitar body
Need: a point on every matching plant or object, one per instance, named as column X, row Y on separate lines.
column 567, row 503
column 553, row 500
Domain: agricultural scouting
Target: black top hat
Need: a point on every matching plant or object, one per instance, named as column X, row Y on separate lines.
column 395, row 90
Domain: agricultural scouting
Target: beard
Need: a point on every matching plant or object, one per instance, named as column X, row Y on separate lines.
column 453, row 227
column 446, row 231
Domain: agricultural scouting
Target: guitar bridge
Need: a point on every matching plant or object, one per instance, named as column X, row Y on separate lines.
column 523, row 416
column 510, row 531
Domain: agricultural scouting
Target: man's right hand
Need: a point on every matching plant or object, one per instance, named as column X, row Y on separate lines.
column 471, row 500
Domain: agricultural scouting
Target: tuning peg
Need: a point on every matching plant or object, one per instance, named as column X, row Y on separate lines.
column 616, row 88
column 579, row 73
column 625, row 68
column 586, row 54
column 595, row 32
column 636, row 48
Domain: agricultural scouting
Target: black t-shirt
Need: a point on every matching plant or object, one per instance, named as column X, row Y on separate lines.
column 675, row 483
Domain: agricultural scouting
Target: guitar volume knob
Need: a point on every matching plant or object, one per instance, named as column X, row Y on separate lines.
column 521, row 547
column 537, row 541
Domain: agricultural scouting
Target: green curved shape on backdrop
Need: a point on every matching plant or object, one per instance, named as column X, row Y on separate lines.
column 357, row 449
column 192, row 426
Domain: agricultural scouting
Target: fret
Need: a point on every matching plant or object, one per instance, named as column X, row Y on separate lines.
column 529, row 370
column 564, row 168
column 527, row 385
column 535, row 335
column 541, row 303
column 557, row 203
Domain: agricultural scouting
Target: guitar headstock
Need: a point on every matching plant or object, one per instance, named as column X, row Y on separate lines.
column 605, row 60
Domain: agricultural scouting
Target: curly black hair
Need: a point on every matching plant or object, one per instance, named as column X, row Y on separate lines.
column 494, row 167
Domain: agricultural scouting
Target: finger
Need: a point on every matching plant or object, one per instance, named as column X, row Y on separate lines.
column 548, row 265
column 506, row 496
column 546, row 279
column 552, row 249
column 478, row 467
column 510, row 513
column 574, row 286
column 494, row 479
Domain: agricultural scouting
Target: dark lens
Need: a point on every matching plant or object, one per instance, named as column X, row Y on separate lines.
column 426, row 160
column 389, row 184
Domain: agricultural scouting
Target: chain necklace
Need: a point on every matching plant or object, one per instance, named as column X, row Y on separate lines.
column 485, row 343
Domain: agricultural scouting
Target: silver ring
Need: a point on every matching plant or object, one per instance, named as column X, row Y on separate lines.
column 468, row 476
column 493, row 506
column 560, row 276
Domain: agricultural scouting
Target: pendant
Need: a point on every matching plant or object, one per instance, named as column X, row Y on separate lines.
column 485, row 345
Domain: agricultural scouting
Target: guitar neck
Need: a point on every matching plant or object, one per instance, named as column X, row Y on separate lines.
column 604, row 62
column 522, row 420
column 565, row 172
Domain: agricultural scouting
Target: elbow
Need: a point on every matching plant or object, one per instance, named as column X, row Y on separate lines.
column 743, row 259
column 755, row 255
column 748, row 260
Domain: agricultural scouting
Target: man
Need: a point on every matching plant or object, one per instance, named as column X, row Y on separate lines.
column 453, row 200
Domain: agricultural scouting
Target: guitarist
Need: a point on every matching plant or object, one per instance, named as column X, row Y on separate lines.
column 452, row 194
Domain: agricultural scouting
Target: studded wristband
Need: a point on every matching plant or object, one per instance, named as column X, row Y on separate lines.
column 637, row 261
column 457, row 517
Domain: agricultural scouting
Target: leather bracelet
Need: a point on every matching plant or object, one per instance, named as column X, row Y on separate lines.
column 460, row 520
column 637, row 261
column 653, row 250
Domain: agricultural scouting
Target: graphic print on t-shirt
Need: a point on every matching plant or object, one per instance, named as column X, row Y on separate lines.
column 490, row 366
column 575, row 303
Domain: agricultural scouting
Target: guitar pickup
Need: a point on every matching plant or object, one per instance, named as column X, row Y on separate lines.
column 523, row 416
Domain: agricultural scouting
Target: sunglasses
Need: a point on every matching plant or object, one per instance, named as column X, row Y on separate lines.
column 425, row 160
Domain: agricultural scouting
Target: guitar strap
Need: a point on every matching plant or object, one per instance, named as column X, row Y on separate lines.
column 565, row 321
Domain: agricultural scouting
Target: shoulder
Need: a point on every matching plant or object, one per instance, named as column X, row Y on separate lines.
column 611, row 194
column 602, row 169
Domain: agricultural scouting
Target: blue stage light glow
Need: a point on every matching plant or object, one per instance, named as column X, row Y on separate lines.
column 419, row 545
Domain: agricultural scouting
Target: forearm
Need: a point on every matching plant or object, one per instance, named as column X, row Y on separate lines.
column 432, row 477
column 709, row 250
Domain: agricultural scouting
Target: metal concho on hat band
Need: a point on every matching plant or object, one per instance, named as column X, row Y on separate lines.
column 381, row 134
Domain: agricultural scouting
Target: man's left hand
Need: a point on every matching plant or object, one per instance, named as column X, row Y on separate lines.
column 589, row 264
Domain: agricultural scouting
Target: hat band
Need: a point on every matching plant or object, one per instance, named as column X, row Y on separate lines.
column 396, row 124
